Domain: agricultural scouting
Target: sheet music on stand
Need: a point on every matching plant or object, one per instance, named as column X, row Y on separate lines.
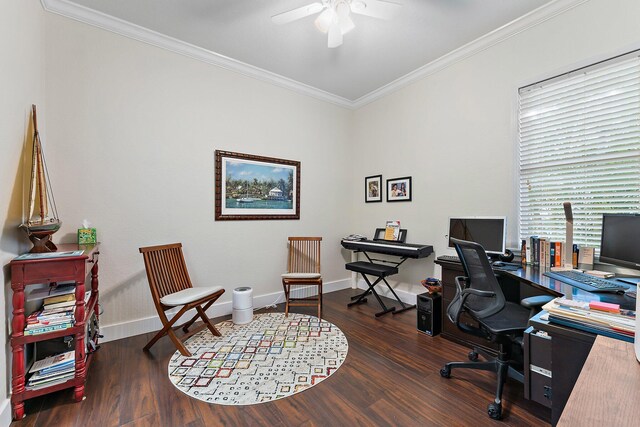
column 392, row 230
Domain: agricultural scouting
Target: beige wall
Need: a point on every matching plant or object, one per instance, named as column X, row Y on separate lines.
column 21, row 84
column 455, row 132
column 133, row 129
column 130, row 131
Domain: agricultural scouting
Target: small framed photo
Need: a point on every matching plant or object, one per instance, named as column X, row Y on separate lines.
column 373, row 189
column 399, row 189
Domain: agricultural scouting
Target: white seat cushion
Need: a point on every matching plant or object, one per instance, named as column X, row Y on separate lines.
column 301, row 275
column 186, row 296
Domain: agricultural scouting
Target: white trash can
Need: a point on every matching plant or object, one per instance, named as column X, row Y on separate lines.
column 242, row 305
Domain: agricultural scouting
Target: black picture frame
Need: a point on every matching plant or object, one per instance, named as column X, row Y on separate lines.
column 399, row 189
column 373, row 189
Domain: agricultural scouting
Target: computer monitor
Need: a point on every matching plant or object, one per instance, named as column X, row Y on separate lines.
column 619, row 242
column 490, row 232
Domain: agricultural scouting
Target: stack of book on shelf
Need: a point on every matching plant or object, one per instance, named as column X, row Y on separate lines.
column 57, row 311
column 596, row 317
column 51, row 371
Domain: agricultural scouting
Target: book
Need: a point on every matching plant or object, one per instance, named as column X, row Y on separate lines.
column 52, row 361
column 59, row 298
column 66, row 375
column 604, row 306
column 55, row 312
column 45, row 323
column 46, row 329
column 392, row 230
column 57, row 370
column 64, row 315
column 46, row 255
column 558, row 255
column 62, row 304
column 57, row 381
column 547, row 254
column 543, row 252
column 50, row 375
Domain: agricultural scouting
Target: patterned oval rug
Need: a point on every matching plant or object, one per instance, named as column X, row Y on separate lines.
column 270, row 358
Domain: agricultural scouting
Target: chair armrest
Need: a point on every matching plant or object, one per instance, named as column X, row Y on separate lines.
column 461, row 283
column 479, row 293
column 536, row 302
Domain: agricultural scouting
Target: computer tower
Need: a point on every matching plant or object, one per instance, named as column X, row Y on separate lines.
column 429, row 313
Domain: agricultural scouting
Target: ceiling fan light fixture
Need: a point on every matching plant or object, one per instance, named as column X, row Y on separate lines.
column 335, row 15
column 346, row 25
column 335, row 36
column 325, row 19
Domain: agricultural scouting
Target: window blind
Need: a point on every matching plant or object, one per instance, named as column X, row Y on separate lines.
column 580, row 143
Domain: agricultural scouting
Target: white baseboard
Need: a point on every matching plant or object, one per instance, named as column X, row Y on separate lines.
column 152, row 323
column 5, row 412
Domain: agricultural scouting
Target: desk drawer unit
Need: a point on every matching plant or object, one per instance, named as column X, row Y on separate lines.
column 537, row 362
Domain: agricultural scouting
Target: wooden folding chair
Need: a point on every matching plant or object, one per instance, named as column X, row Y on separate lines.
column 303, row 271
column 171, row 287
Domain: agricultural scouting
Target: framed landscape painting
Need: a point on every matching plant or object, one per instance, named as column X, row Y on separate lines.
column 373, row 189
column 399, row 189
column 249, row 187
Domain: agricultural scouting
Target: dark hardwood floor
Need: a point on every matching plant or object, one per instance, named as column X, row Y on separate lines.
column 390, row 378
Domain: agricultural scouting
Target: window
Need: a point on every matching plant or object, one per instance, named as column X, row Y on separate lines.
column 580, row 143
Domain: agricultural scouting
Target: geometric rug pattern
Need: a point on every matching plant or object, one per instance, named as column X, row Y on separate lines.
column 267, row 359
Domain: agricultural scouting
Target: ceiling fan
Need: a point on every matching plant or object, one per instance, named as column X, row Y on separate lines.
column 335, row 18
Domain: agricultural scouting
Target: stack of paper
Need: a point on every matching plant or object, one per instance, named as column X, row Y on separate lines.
column 596, row 317
column 51, row 371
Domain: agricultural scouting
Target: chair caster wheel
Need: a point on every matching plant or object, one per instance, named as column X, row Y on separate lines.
column 495, row 410
column 473, row 356
column 445, row 372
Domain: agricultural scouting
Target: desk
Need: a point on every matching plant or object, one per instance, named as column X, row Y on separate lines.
column 606, row 396
column 569, row 347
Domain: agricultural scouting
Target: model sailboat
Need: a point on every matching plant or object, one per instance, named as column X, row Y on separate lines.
column 42, row 215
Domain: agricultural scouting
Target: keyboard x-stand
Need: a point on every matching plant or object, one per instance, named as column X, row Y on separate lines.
column 382, row 271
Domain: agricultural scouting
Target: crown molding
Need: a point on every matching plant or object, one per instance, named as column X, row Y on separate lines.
column 98, row 19
column 107, row 22
column 513, row 28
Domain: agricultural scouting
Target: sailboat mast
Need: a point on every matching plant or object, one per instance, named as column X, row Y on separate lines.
column 40, row 181
column 32, row 183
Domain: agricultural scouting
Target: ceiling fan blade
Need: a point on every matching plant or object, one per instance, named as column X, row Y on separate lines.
column 375, row 8
column 295, row 14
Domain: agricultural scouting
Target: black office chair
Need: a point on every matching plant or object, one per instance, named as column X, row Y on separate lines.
column 499, row 321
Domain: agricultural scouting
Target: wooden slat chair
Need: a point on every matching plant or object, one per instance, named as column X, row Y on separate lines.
column 171, row 287
column 303, row 270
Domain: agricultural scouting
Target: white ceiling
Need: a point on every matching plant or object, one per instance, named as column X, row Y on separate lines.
column 375, row 54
